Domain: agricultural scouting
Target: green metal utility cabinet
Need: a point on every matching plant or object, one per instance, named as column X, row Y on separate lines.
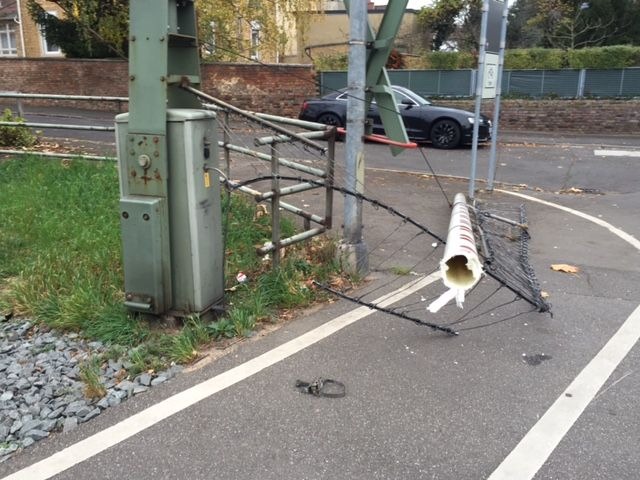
column 170, row 215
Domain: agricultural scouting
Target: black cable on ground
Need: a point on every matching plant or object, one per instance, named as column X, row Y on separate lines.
column 417, row 321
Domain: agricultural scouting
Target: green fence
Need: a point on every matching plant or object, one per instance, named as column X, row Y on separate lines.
column 567, row 83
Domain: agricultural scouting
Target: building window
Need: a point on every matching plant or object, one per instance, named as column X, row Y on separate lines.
column 255, row 40
column 212, row 40
column 8, row 39
column 47, row 47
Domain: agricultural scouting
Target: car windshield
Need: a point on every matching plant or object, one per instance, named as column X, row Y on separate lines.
column 403, row 96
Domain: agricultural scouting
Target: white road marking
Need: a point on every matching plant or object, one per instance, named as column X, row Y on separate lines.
column 616, row 153
column 630, row 239
column 129, row 427
column 534, row 449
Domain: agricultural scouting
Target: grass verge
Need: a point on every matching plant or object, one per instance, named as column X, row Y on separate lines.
column 60, row 263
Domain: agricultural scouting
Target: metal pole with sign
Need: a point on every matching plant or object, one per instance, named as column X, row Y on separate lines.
column 496, row 111
column 488, row 73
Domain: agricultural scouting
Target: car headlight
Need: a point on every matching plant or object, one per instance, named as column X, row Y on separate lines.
column 471, row 120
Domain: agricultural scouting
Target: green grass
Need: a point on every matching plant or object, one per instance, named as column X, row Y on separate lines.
column 60, row 262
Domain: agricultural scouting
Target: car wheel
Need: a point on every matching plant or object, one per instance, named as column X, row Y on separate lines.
column 330, row 119
column 445, row 133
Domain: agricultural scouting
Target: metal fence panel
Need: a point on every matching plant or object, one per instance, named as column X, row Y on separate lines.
column 561, row 83
column 612, row 83
column 332, row 81
column 566, row 83
column 423, row 82
column 456, row 82
column 630, row 82
column 537, row 83
column 602, row 83
column 524, row 82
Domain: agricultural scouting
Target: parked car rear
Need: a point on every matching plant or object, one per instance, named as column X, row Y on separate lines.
column 443, row 127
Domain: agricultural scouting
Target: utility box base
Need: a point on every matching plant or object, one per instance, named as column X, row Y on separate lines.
column 145, row 237
column 175, row 257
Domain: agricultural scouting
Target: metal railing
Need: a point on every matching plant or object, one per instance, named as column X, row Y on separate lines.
column 49, row 96
column 276, row 161
column 96, row 128
column 320, row 178
column 40, row 96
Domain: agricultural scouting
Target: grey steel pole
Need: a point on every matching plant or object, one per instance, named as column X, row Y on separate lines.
column 491, row 175
column 479, row 85
column 354, row 250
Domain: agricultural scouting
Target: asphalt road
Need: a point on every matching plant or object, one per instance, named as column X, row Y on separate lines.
column 419, row 405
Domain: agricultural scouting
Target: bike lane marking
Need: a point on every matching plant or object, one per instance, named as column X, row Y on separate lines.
column 97, row 443
column 538, row 444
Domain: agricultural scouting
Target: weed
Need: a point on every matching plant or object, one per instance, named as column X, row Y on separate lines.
column 223, row 328
column 401, row 271
column 258, row 303
column 115, row 352
column 285, row 287
column 243, row 321
column 90, row 376
column 196, row 329
column 14, row 136
column 150, row 355
column 183, row 348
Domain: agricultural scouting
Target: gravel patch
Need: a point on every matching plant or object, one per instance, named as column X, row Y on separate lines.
column 41, row 393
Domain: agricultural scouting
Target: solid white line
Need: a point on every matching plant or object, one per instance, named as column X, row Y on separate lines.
column 537, row 445
column 616, row 231
column 616, row 153
column 119, row 432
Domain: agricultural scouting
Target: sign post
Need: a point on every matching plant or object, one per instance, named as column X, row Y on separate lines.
column 496, row 111
column 489, row 71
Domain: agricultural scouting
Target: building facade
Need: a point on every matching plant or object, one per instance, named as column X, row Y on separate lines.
column 321, row 31
column 20, row 36
column 326, row 32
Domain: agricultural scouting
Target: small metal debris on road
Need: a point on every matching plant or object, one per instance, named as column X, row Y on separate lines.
column 322, row 387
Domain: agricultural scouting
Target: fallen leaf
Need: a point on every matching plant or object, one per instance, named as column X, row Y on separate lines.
column 563, row 267
column 544, row 294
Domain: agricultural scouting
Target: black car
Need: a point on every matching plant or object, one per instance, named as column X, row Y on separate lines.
column 443, row 127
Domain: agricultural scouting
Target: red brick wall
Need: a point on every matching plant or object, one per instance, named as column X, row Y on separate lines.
column 582, row 116
column 280, row 89
column 277, row 89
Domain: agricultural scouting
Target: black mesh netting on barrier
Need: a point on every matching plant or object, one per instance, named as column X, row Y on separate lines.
column 405, row 256
column 503, row 234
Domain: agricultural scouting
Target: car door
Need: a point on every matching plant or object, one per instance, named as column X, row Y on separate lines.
column 411, row 116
